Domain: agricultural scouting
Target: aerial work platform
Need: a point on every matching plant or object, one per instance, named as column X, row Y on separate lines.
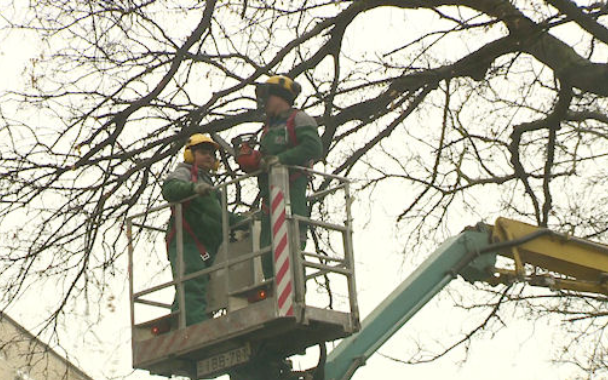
column 256, row 323
column 251, row 318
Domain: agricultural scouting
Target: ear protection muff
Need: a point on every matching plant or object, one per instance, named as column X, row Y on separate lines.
column 296, row 88
column 188, row 156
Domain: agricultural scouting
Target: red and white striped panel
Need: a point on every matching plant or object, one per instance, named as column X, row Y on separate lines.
column 160, row 346
column 280, row 249
column 165, row 346
column 177, row 344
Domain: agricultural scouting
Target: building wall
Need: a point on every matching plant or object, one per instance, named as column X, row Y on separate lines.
column 24, row 357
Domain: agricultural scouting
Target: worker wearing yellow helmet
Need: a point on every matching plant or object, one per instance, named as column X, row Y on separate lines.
column 289, row 137
column 202, row 219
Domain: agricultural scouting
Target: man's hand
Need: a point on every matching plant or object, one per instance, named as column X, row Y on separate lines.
column 267, row 161
column 203, row 188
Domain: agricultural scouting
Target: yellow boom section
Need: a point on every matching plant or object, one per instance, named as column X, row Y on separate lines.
column 575, row 264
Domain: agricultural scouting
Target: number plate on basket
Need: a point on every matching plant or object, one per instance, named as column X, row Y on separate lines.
column 222, row 361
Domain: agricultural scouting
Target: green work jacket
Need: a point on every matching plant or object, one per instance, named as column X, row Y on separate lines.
column 276, row 141
column 203, row 213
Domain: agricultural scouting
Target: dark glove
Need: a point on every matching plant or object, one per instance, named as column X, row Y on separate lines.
column 203, row 188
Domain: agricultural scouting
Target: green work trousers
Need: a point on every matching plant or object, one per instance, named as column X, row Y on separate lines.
column 195, row 290
column 299, row 206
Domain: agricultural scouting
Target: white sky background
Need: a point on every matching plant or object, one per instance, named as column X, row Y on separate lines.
column 522, row 350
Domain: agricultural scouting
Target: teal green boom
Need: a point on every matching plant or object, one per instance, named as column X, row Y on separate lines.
column 457, row 255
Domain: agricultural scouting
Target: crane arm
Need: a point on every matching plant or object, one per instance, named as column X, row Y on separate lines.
column 567, row 263
column 405, row 301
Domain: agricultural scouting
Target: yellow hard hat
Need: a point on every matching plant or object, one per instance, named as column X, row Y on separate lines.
column 281, row 86
column 198, row 139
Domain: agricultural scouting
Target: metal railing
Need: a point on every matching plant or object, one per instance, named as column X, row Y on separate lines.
column 279, row 176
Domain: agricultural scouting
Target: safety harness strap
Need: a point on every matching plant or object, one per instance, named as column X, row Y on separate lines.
column 171, row 235
column 293, row 141
column 199, row 245
column 291, row 128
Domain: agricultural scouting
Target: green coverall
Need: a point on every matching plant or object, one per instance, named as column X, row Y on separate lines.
column 204, row 216
column 276, row 142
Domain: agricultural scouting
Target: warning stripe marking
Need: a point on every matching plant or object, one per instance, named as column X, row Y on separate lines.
column 280, row 244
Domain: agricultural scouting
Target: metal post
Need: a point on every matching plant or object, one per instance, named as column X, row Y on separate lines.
column 181, row 296
column 225, row 241
column 281, row 226
column 298, row 270
column 131, row 290
column 349, row 258
column 254, row 233
column 294, row 252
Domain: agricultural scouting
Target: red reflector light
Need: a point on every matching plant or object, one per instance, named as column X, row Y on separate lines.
column 160, row 328
column 257, row 295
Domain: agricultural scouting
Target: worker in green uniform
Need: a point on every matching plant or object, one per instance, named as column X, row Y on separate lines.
column 201, row 220
column 289, row 137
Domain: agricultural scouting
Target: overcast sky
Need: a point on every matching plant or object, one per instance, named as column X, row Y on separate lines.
column 522, row 350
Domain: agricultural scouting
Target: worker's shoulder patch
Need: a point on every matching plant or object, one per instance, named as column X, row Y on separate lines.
column 303, row 119
column 181, row 172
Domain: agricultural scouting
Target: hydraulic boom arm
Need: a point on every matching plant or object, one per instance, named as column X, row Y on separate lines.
column 566, row 263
